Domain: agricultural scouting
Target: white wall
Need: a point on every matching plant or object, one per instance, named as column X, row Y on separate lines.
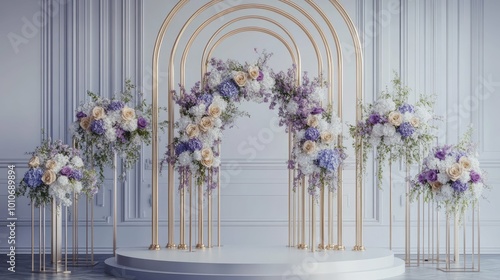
column 442, row 47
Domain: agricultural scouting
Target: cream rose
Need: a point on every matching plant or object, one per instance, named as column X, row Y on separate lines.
column 192, row 130
column 436, row 185
column 128, row 114
column 309, row 147
column 312, row 121
column 395, row 118
column 98, row 113
column 240, row 78
column 49, row 177
column 207, row 162
column 206, row 123
column 206, row 153
column 214, row 110
column 34, row 162
column 326, row 137
column 415, row 122
column 85, row 123
column 50, row 164
column 455, row 171
column 465, row 163
column 253, row 72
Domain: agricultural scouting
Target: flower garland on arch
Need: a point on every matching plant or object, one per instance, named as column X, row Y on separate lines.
column 210, row 107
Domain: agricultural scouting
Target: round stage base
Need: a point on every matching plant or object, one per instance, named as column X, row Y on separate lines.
column 249, row 263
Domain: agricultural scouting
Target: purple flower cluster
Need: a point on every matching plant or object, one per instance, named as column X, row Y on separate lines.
column 115, row 105
column 206, row 99
column 260, row 77
column 475, row 177
column 76, row 175
column 428, row 176
column 194, row 144
column 65, row 171
column 328, row 159
column 180, row 148
column 375, row 119
column 228, row 88
column 405, row 129
column 80, row 115
column 33, row 177
column 311, row 134
column 441, row 152
column 97, row 126
column 459, row 186
column 121, row 135
column 142, row 123
column 406, row 108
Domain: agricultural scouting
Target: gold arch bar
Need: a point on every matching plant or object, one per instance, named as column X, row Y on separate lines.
column 154, row 157
column 210, row 20
column 171, row 121
column 340, row 91
column 359, row 96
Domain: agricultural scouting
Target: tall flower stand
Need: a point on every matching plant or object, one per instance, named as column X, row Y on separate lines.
column 469, row 240
column 59, row 238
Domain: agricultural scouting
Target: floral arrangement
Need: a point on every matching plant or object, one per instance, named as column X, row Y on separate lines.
column 210, row 107
column 105, row 126
column 56, row 171
column 451, row 176
column 394, row 128
column 314, row 154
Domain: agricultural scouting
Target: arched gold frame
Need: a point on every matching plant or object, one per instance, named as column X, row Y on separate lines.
column 170, row 106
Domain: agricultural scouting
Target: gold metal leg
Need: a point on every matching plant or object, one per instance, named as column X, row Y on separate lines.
column 182, row 245
column 200, row 244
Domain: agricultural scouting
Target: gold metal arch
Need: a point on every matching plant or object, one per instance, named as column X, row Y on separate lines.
column 156, row 52
column 296, row 59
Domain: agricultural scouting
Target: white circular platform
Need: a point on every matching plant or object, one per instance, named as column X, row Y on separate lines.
column 263, row 263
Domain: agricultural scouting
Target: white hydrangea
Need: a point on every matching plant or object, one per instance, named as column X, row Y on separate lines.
column 319, row 95
column 197, row 155
column 423, row 114
column 214, row 79
column 378, row 130
column 77, row 187
column 267, row 81
column 388, row 130
column 465, row 177
column 407, row 116
column 198, row 110
column 217, row 122
column 442, row 178
column 253, row 87
column 433, row 163
column 77, row 162
column 183, row 122
column 374, row 141
column 61, row 161
column 384, row 106
column 63, row 180
column 220, row 102
column 110, row 134
column 393, row 140
column 216, row 162
column 130, row 125
column 185, row 158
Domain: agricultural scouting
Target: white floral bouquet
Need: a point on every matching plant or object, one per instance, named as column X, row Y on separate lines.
column 209, row 108
column 105, row 126
column 315, row 154
column 56, row 171
column 396, row 129
column 451, row 176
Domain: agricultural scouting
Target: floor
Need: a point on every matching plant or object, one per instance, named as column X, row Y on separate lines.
column 490, row 269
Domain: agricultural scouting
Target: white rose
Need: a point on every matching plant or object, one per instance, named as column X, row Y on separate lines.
column 192, row 130
column 206, row 124
column 214, row 111
column 414, row 121
column 326, row 137
column 253, row 72
column 48, row 177
column 309, row 147
column 240, row 78
column 312, row 121
column 465, row 163
column 128, row 114
column 34, row 162
column 454, row 171
column 98, row 113
column 395, row 118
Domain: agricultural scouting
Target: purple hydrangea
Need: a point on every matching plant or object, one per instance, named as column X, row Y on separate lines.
column 33, row 177
column 431, row 175
column 80, row 115
column 120, row 134
column 475, row 177
column 228, row 88
column 312, row 134
column 206, row 98
column 180, row 148
column 97, row 126
column 142, row 123
column 405, row 129
column 406, row 108
column 374, row 119
column 76, row 174
column 261, row 76
column 458, row 186
column 194, row 144
column 328, row 159
column 115, row 105
column 317, row 111
column 65, row 171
